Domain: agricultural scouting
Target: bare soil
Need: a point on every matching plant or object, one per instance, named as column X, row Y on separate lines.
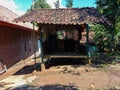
column 74, row 77
column 70, row 76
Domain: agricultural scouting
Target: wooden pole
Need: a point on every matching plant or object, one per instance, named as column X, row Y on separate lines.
column 87, row 43
column 41, row 28
column 34, row 45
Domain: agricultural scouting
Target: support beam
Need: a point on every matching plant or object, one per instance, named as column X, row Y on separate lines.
column 87, row 39
column 41, row 28
column 41, row 45
column 88, row 45
column 34, row 44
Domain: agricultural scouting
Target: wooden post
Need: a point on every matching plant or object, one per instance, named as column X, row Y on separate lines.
column 87, row 43
column 41, row 28
column 34, row 45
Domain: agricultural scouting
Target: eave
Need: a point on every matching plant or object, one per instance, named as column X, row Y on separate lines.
column 15, row 26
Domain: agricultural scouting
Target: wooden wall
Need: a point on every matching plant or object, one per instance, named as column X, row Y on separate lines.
column 15, row 45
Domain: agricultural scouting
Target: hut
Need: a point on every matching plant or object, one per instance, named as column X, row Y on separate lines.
column 61, row 30
column 16, row 40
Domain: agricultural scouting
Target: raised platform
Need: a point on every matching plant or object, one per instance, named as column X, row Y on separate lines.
column 65, row 55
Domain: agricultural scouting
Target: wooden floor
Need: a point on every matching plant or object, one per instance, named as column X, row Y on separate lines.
column 66, row 55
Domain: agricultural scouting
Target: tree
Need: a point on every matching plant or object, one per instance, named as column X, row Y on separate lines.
column 57, row 4
column 69, row 3
column 41, row 4
column 111, row 10
column 37, row 4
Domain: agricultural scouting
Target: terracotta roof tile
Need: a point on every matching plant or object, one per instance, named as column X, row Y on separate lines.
column 7, row 15
column 75, row 16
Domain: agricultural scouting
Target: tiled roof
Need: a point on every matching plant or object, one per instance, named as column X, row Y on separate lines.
column 72, row 16
column 7, row 15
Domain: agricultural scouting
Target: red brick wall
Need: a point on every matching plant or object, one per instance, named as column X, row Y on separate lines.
column 15, row 45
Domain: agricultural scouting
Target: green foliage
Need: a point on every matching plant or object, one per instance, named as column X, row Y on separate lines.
column 37, row 4
column 111, row 10
column 117, row 35
column 69, row 3
column 41, row 4
column 102, row 37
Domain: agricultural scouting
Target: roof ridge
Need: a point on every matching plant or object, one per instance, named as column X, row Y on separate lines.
column 8, row 10
column 64, row 8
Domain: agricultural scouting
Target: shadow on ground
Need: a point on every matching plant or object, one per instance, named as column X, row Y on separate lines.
column 25, row 70
column 64, row 61
column 75, row 63
column 105, row 59
column 53, row 87
column 67, row 65
column 46, row 87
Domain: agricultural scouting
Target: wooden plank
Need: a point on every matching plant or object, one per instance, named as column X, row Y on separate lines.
column 65, row 55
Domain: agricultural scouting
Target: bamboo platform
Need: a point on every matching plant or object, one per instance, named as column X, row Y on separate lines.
column 65, row 55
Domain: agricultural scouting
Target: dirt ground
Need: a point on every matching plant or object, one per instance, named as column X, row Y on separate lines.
column 77, row 76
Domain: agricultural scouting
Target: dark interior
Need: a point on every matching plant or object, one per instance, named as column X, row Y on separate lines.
column 64, row 41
